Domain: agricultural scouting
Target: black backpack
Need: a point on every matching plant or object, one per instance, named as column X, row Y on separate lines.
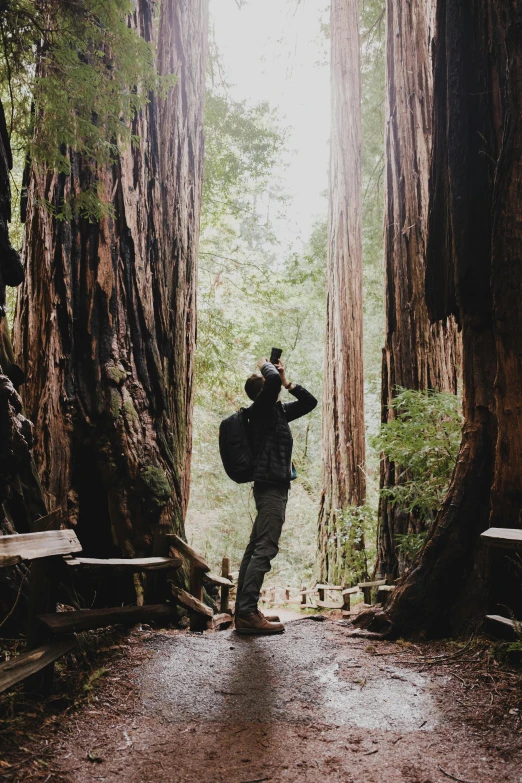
column 234, row 447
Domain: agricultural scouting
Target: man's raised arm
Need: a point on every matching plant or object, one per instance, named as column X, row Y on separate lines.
column 268, row 395
column 305, row 403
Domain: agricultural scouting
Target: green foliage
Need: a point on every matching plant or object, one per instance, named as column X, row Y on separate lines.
column 355, row 525
column 83, row 72
column 251, row 296
column 408, row 544
column 422, row 440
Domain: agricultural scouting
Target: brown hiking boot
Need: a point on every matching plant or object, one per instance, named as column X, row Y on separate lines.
column 257, row 623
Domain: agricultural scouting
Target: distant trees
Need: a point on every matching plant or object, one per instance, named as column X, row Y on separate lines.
column 474, row 272
column 418, row 355
column 105, row 325
column 344, row 482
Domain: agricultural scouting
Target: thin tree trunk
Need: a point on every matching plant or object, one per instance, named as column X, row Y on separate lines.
column 474, row 271
column 105, row 325
column 344, row 482
column 417, row 354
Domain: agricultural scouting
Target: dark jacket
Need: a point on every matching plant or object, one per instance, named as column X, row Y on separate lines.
column 270, row 437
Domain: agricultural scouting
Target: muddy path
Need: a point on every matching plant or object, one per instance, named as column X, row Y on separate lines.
column 310, row 705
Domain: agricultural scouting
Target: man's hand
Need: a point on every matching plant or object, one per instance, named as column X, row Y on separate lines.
column 281, row 370
column 261, row 362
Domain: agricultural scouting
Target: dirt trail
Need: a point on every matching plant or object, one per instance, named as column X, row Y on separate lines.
column 310, row 705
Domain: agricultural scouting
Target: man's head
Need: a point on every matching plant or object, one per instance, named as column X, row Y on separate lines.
column 253, row 385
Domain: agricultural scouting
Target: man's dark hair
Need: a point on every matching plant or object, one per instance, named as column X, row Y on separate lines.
column 253, row 385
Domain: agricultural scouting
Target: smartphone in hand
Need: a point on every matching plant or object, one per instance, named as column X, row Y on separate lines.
column 275, row 355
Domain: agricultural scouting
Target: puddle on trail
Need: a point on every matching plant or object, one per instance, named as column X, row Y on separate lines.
column 394, row 699
column 302, row 676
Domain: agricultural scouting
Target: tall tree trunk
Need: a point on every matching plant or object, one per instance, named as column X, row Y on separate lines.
column 417, row 354
column 21, row 499
column 105, row 325
column 474, row 271
column 344, row 482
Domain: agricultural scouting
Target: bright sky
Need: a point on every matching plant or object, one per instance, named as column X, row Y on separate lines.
column 273, row 50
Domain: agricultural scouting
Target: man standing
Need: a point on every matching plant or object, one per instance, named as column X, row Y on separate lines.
column 271, row 443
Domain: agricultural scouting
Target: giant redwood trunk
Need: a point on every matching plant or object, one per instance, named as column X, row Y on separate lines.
column 105, row 324
column 343, row 395
column 417, row 354
column 474, row 270
column 21, row 500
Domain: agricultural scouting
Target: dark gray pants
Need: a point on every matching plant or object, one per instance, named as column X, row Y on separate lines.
column 263, row 545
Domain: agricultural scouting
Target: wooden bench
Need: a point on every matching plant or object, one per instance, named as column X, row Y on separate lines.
column 505, row 537
column 31, row 663
column 199, row 612
column 501, row 626
column 127, row 564
column 47, row 548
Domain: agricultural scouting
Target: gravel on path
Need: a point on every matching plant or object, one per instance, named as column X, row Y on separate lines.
column 309, row 705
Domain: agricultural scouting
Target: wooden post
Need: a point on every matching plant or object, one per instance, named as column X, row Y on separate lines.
column 303, row 596
column 273, row 594
column 346, row 600
column 390, row 579
column 160, row 548
column 198, row 622
column 367, row 592
column 225, row 591
column 320, row 590
column 42, row 600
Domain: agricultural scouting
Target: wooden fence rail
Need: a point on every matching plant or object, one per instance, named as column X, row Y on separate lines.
column 51, row 634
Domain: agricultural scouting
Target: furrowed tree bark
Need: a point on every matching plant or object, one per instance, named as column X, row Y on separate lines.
column 417, row 354
column 105, row 325
column 474, row 271
column 343, row 396
column 21, row 499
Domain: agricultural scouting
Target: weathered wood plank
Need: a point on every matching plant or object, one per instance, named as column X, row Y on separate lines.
column 376, row 583
column 187, row 551
column 350, row 591
column 198, row 622
column 31, row 546
column 190, row 602
column 218, row 580
column 328, row 587
column 500, row 626
column 29, row 663
column 221, row 621
column 507, row 537
column 130, row 563
column 61, row 623
column 328, row 605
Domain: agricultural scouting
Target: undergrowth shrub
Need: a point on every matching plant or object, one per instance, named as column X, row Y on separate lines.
column 422, row 440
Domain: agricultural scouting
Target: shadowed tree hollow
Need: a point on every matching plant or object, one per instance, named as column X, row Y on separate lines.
column 105, row 323
column 344, row 483
column 417, row 355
